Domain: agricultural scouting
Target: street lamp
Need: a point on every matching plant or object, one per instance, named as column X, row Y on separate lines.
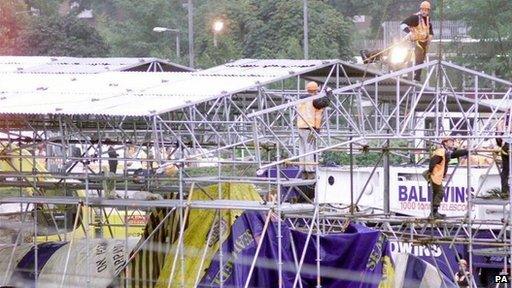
column 163, row 29
column 218, row 26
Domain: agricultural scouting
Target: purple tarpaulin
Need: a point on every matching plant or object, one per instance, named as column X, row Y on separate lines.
column 445, row 255
column 24, row 271
column 287, row 192
column 439, row 255
column 350, row 259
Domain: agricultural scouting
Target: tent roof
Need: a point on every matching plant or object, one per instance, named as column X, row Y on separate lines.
column 140, row 94
column 48, row 64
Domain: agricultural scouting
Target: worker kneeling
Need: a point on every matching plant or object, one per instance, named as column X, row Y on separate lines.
column 437, row 169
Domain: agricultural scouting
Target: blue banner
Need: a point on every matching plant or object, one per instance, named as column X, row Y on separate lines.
column 24, row 271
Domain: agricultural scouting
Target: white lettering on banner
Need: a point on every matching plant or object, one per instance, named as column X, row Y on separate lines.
column 420, row 206
column 495, row 259
column 241, row 242
column 416, row 250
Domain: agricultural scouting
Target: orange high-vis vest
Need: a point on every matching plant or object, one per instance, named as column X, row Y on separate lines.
column 422, row 31
column 438, row 171
column 309, row 116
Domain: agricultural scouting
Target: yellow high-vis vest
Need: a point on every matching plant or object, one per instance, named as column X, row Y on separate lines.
column 309, row 116
column 438, row 171
column 422, row 31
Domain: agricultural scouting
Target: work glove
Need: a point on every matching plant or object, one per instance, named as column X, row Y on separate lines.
column 328, row 91
column 499, row 151
column 311, row 137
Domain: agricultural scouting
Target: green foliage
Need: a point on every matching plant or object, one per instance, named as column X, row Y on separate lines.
column 44, row 7
column 253, row 29
column 129, row 30
column 13, row 20
column 360, row 159
column 379, row 11
column 270, row 29
column 351, row 8
column 62, row 36
column 490, row 22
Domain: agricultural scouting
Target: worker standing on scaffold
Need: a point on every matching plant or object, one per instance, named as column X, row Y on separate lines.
column 437, row 169
column 419, row 30
column 504, row 153
column 309, row 122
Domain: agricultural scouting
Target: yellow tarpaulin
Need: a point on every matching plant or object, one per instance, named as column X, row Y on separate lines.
column 203, row 236
column 114, row 225
column 160, row 232
column 21, row 160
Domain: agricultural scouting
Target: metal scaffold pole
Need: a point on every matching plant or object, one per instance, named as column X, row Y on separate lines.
column 244, row 135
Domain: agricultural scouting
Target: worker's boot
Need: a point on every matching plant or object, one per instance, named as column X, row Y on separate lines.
column 435, row 214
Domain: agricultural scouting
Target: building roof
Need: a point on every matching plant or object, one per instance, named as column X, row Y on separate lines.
column 47, row 64
column 140, row 94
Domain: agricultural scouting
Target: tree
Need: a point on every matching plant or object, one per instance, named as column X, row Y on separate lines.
column 13, row 20
column 127, row 25
column 269, row 29
column 44, row 7
column 62, row 36
column 351, row 8
column 490, row 22
column 379, row 11
column 253, row 29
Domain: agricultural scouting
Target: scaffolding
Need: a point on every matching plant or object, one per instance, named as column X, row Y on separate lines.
column 192, row 119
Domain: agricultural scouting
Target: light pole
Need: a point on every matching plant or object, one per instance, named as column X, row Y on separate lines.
column 306, row 29
column 218, row 25
column 190, row 33
column 163, row 29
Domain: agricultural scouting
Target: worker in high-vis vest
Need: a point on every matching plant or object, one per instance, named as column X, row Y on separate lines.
column 309, row 122
column 437, row 169
column 419, row 30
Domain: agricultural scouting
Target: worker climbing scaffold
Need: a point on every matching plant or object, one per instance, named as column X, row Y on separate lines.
column 438, row 166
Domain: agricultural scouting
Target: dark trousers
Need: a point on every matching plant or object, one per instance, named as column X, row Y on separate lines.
column 420, row 53
column 112, row 166
column 437, row 195
column 505, row 168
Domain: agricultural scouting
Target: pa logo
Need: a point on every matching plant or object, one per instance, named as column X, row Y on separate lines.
column 500, row 279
